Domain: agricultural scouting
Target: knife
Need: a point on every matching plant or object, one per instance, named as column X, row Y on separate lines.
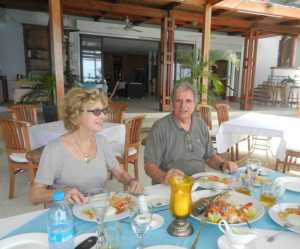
column 87, row 243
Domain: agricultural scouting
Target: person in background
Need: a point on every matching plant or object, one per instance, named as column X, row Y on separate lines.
column 179, row 143
column 79, row 161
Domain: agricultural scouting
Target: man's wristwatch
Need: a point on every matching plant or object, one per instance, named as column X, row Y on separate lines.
column 221, row 166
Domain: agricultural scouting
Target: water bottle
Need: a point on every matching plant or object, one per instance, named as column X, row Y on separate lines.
column 60, row 224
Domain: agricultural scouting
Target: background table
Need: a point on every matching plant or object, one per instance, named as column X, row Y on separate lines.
column 285, row 128
column 42, row 134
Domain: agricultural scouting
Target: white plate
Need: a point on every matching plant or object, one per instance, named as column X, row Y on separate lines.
column 235, row 198
column 264, row 171
column 26, row 241
column 110, row 214
column 157, row 200
column 165, row 247
column 290, row 182
column 294, row 221
column 207, row 184
column 281, row 241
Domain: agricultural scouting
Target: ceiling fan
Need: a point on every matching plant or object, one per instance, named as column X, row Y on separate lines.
column 129, row 25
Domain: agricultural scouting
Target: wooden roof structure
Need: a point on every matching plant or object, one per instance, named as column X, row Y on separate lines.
column 234, row 17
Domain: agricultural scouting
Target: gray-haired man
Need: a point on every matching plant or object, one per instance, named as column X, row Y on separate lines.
column 180, row 143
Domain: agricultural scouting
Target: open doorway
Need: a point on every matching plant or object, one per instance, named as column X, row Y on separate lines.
column 132, row 63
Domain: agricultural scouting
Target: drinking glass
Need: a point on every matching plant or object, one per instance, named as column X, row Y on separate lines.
column 99, row 204
column 113, row 235
column 241, row 184
column 271, row 193
column 140, row 223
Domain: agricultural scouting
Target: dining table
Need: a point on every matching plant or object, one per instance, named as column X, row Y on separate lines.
column 41, row 134
column 286, row 129
column 210, row 235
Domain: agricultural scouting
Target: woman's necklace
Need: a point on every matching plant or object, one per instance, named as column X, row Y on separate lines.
column 86, row 157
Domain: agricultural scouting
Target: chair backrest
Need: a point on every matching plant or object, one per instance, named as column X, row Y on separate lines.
column 16, row 136
column 118, row 106
column 222, row 112
column 298, row 108
column 24, row 112
column 116, row 113
column 114, row 90
column 133, row 131
column 204, row 112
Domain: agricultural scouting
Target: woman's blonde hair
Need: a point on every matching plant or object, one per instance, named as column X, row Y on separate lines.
column 75, row 102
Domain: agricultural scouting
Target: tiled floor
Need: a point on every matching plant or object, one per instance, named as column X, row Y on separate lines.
column 21, row 203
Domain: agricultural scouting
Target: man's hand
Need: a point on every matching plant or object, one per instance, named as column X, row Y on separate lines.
column 74, row 196
column 229, row 166
column 172, row 172
column 135, row 187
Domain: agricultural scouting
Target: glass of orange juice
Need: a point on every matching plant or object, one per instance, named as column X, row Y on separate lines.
column 271, row 193
column 241, row 184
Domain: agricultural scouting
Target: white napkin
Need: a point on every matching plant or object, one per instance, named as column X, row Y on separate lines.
column 18, row 157
column 283, row 240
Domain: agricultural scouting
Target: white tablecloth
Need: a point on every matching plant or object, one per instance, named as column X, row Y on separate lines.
column 42, row 134
column 285, row 128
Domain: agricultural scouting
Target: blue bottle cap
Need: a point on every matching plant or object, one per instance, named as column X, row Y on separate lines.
column 58, row 196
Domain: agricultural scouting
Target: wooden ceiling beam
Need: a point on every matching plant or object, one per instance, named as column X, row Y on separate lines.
column 260, row 8
column 276, row 29
column 213, row 2
column 194, row 17
column 218, row 12
column 124, row 9
column 172, row 5
column 290, row 22
column 31, row 5
column 191, row 3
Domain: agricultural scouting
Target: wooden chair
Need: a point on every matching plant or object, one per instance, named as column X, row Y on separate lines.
column 298, row 110
column 222, row 112
column 204, row 112
column 223, row 116
column 291, row 158
column 116, row 113
column 24, row 112
column 114, row 91
column 16, row 138
column 132, row 144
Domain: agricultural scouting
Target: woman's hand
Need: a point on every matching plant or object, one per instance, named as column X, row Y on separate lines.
column 135, row 187
column 74, row 196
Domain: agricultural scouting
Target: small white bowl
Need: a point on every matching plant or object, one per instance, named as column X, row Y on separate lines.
column 237, row 236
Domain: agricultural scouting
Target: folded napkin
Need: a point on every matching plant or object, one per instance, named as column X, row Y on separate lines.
column 18, row 157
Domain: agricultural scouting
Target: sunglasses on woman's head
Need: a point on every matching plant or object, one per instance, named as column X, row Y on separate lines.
column 97, row 112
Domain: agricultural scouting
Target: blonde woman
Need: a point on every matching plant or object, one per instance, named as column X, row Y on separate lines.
column 79, row 161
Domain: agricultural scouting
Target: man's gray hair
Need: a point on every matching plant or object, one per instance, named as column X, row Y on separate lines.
column 185, row 86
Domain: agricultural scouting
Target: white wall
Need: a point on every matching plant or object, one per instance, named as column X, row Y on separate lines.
column 12, row 58
column 267, row 55
column 298, row 52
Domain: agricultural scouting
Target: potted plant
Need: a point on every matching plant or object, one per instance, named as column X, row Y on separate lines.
column 43, row 92
column 193, row 60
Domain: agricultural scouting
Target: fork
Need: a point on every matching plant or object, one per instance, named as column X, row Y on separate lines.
column 272, row 237
column 194, row 245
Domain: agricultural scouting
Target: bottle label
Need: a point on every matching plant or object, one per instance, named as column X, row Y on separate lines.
column 61, row 236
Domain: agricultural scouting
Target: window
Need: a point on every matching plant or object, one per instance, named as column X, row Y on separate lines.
column 182, row 71
column 91, row 58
